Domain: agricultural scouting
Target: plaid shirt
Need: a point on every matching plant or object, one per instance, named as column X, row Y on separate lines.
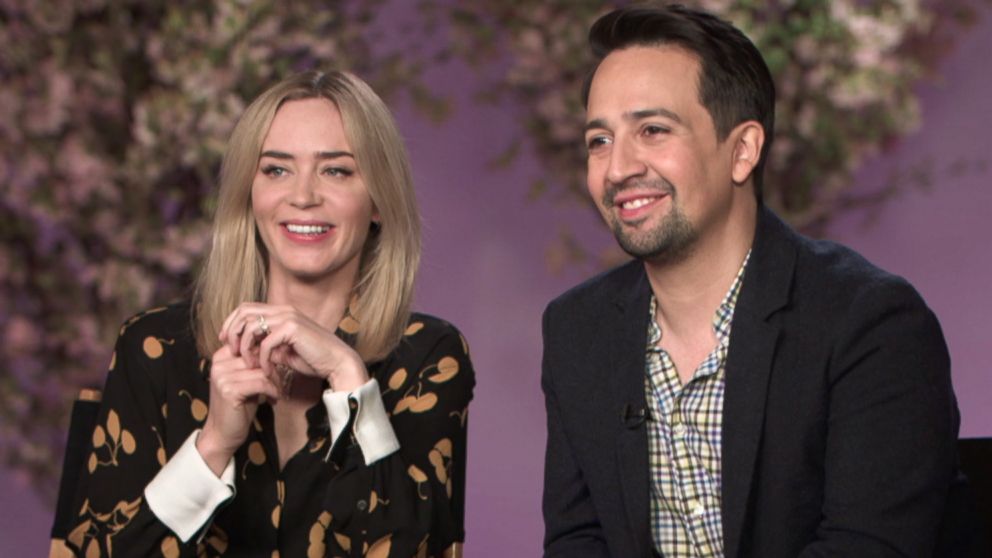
column 684, row 441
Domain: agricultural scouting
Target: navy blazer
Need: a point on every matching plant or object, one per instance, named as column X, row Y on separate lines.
column 839, row 421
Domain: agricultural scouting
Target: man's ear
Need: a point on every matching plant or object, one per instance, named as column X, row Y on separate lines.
column 749, row 137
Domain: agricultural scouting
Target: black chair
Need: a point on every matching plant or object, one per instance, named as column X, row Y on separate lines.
column 966, row 528
column 81, row 423
column 976, row 463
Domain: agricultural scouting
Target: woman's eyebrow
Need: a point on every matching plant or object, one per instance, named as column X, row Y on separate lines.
column 319, row 154
column 333, row 154
column 276, row 154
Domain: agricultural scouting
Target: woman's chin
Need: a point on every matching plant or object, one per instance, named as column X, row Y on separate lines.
column 310, row 274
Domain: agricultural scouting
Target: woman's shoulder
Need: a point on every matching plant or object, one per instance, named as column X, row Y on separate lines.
column 156, row 348
column 170, row 324
column 435, row 353
column 426, row 335
column 422, row 326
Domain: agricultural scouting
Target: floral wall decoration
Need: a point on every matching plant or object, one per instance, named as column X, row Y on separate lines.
column 845, row 72
column 114, row 116
column 113, row 119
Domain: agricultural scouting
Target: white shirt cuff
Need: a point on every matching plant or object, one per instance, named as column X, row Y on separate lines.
column 185, row 494
column 372, row 428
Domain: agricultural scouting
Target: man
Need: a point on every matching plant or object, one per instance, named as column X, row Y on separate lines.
column 736, row 389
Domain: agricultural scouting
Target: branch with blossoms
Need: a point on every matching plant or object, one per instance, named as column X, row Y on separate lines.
column 114, row 116
column 113, row 120
column 845, row 73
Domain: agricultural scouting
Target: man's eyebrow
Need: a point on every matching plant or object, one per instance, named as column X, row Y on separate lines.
column 655, row 112
column 634, row 116
column 595, row 123
column 318, row 155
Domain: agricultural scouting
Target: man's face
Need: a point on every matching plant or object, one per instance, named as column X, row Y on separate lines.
column 657, row 173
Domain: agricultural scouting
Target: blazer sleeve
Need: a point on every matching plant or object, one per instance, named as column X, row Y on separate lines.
column 571, row 525
column 891, row 429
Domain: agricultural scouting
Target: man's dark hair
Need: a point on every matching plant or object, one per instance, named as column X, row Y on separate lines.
column 734, row 82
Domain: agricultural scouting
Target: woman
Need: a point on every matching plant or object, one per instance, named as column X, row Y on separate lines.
column 297, row 408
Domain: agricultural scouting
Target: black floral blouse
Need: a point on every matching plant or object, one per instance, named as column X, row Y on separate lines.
column 410, row 503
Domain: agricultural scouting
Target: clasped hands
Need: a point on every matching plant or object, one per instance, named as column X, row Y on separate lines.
column 260, row 342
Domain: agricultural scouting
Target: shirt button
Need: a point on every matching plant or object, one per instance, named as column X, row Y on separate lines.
column 696, row 509
column 352, row 404
column 362, row 505
column 679, row 430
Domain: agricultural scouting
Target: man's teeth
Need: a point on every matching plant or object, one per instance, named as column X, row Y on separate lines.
column 307, row 229
column 635, row 203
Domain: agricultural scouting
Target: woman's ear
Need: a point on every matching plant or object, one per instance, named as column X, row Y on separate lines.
column 749, row 139
column 376, row 219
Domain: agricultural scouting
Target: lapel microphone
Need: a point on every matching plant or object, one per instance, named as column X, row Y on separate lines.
column 633, row 417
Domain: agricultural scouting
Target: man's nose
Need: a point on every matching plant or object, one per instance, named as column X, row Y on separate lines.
column 625, row 161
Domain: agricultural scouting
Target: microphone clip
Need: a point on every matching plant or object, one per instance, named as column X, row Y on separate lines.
column 633, row 417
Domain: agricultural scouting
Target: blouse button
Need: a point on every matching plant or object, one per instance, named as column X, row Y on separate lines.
column 362, row 505
column 352, row 404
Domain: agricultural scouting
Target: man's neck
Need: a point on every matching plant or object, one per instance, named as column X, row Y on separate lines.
column 689, row 291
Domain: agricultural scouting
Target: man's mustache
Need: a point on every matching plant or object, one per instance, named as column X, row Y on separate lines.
column 658, row 185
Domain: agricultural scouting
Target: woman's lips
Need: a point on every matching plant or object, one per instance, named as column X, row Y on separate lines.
column 306, row 232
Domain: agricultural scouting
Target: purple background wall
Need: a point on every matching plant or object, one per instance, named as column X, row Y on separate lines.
column 484, row 269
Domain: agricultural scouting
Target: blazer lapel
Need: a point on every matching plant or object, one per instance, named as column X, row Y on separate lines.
column 629, row 339
column 750, row 358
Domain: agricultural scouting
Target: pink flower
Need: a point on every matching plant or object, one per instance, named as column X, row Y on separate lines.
column 21, row 337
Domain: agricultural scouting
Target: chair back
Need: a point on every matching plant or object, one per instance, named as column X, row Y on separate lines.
column 78, row 446
column 966, row 527
column 976, row 463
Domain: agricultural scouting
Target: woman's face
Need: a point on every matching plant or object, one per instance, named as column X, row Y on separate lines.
column 309, row 200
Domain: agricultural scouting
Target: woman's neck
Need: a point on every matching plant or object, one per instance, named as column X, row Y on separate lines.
column 323, row 301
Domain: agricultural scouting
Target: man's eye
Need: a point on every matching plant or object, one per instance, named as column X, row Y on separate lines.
column 597, row 141
column 652, row 130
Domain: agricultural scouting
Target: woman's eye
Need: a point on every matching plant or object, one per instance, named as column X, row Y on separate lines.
column 273, row 171
column 338, row 171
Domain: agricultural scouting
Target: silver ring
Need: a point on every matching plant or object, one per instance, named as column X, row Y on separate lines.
column 263, row 326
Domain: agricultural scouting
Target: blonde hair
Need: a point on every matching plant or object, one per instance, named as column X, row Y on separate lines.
column 235, row 267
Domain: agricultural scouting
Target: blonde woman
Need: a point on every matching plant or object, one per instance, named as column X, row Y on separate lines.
column 296, row 407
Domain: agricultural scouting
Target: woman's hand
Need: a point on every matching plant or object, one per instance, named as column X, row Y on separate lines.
column 291, row 339
column 235, row 387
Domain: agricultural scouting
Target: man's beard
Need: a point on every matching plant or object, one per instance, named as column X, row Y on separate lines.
column 669, row 241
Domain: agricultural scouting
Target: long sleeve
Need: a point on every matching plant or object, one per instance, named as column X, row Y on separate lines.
column 405, row 498
column 572, row 527
column 370, row 425
column 185, row 493
column 411, row 500
column 129, row 448
column 891, row 430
